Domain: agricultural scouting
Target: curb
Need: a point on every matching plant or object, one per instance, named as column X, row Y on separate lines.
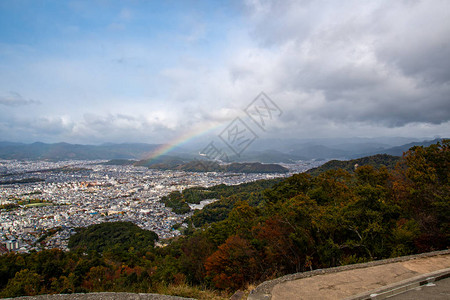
column 402, row 286
column 264, row 290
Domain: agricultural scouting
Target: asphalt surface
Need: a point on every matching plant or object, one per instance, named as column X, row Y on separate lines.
column 347, row 283
column 437, row 290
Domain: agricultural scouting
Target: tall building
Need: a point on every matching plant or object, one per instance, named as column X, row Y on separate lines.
column 12, row 245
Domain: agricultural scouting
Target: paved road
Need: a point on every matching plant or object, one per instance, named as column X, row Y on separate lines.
column 352, row 282
column 437, row 291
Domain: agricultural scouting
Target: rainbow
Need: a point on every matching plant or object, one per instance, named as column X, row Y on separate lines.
column 180, row 140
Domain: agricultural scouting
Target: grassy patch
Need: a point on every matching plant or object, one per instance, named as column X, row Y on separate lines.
column 184, row 290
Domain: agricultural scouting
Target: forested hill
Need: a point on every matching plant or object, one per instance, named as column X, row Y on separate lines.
column 212, row 166
column 375, row 161
column 115, row 235
column 250, row 191
column 258, row 232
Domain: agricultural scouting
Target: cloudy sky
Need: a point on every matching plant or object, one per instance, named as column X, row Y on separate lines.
column 152, row 71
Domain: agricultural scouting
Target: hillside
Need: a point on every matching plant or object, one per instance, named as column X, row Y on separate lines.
column 399, row 150
column 119, row 162
column 173, row 163
column 376, row 161
column 119, row 236
column 178, row 201
column 255, row 168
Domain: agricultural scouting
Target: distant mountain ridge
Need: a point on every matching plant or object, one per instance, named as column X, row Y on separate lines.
column 388, row 158
column 399, row 150
column 63, row 151
column 172, row 163
column 271, row 151
column 348, row 149
column 377, row 161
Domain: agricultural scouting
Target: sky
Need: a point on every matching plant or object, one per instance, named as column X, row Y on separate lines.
column 154, row 71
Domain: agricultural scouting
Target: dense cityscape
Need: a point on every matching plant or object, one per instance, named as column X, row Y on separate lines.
column 42, row 203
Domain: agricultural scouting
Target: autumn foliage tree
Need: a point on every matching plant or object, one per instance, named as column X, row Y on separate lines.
column 423, row 186
column 233, row 264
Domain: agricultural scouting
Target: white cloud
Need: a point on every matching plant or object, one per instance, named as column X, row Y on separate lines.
column 15, row 99
column 125, row 14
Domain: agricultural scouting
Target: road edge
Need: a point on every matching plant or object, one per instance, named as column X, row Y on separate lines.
column 402, row 286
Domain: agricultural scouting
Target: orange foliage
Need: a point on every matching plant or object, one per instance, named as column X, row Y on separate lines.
column 233, row 264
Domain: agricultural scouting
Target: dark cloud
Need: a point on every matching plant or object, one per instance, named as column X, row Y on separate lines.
column 380, row 63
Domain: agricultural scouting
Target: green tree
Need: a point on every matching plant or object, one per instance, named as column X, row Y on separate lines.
column 25, row 282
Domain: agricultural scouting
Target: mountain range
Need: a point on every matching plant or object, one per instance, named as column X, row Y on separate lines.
column 264, row 151
column 64, row 151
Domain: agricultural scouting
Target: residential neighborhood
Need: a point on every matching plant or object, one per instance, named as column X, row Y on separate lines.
column 44, row 202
